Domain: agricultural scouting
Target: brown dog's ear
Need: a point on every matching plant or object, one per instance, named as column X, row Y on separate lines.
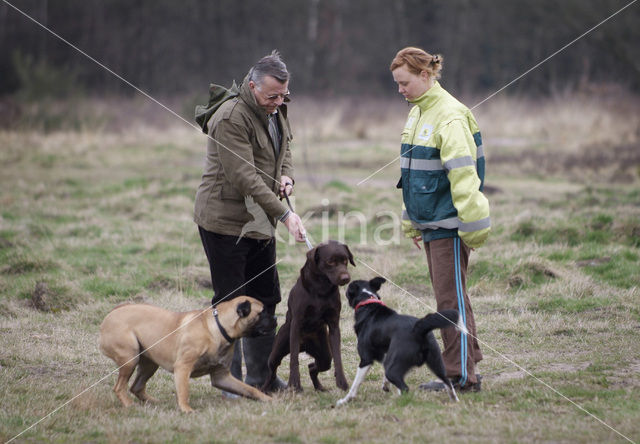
column 244, row 309
column 312, row 255
column 350, row 256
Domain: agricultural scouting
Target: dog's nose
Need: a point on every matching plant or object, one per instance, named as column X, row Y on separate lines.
column 344, row 279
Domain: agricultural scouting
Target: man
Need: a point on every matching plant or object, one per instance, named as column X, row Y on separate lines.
column 248, row 167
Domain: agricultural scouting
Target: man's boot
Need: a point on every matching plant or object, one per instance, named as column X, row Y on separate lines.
column 256, row 357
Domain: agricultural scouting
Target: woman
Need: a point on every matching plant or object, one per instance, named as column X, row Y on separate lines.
column 442, row 168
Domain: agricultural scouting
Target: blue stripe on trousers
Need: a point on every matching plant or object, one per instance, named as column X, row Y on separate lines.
column 461, row 309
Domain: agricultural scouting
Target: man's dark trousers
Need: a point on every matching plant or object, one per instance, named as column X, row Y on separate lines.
column 242, row 266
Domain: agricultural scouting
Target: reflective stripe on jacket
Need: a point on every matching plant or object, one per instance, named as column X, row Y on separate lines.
column 443, row 165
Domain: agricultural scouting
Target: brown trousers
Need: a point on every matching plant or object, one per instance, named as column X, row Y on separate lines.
column 448, row 260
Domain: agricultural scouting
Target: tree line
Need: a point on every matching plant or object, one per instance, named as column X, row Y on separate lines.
column 332, row 47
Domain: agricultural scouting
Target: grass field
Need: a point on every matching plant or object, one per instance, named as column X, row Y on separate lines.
column 93, row 217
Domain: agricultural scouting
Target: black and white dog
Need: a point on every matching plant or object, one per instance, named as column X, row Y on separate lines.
column 400, row 342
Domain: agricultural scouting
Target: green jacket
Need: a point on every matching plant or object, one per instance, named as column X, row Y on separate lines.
column 442, row 165
column 241, row 164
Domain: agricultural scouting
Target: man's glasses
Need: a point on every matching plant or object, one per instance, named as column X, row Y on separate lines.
column 273, row 97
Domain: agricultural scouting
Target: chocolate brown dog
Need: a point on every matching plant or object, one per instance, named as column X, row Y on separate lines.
column 314, row 305
column 189, row 344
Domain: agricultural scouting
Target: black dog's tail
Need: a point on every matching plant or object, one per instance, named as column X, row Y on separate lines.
column 441, row 319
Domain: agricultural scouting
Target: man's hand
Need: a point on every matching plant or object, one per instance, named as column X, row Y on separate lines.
column 294, row 225
column 417, row 241
column 286, row 186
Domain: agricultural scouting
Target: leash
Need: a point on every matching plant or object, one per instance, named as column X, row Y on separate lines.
column 306, row 239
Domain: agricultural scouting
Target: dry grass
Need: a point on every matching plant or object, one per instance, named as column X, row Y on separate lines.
column 103, row 217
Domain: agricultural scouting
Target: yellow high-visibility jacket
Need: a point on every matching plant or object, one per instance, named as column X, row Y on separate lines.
column 443, row 165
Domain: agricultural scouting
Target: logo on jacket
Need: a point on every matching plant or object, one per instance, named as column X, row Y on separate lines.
column 425, row 133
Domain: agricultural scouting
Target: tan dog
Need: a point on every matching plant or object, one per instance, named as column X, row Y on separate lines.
column 189, row 344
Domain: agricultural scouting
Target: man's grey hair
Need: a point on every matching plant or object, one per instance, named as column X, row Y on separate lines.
column 271, row 65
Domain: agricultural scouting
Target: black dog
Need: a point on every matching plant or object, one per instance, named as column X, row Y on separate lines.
column 314, row 305
column 400, row 342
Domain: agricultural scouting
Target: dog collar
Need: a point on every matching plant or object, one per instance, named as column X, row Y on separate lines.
column 222, row 330
column 369, row 301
